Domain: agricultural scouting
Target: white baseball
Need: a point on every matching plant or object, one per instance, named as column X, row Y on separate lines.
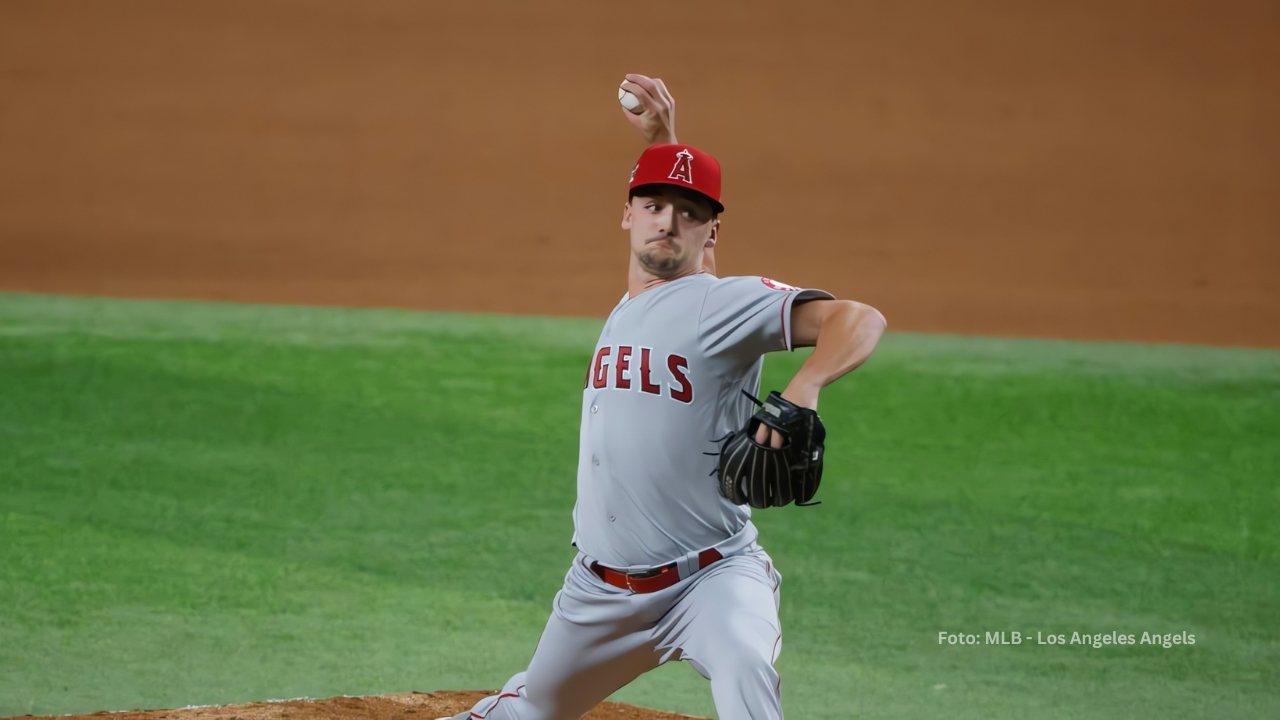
column 629, row 101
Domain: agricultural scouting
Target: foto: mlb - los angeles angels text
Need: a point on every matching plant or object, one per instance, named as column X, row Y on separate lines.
column 1095, row 640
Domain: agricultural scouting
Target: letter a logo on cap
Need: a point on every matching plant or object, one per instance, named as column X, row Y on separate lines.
column 683, row 169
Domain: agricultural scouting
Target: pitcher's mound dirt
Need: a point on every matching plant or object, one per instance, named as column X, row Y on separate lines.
column 406, row 706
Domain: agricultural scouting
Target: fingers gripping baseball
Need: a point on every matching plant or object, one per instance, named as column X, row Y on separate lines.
column 655, row 116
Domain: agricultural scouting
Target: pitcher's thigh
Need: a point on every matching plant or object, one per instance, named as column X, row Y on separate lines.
column 727, row 627
column 577, row 666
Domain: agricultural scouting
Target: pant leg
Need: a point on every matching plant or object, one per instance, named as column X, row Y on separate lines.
column 594, row 643
column 726, row 626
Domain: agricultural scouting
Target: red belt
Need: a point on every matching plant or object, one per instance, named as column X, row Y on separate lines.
column 651, row 580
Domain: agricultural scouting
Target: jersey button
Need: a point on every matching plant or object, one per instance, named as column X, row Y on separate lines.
column 595, row 460
column 612, row 518
column 595, row 409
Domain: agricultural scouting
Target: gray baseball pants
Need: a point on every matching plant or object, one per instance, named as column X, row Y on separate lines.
column 722, row 620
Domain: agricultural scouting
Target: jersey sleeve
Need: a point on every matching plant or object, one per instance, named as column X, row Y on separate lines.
column 746, row 317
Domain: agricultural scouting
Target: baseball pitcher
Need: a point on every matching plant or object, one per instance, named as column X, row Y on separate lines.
column 676, row 450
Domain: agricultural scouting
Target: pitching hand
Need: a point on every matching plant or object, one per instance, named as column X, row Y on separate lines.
column 658, row 120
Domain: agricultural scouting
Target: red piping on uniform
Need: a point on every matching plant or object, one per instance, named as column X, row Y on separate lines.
column 476, row 716
column 786, row 338
column 777, row 687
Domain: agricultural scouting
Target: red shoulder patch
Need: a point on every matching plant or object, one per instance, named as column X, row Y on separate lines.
column 775, row 285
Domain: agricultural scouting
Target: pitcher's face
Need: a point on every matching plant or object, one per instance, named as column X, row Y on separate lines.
column 669, row 230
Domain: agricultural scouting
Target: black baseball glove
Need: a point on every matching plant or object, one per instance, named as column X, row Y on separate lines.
column 765, row 477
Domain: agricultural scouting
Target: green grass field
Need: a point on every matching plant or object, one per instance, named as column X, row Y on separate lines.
column 212, row 503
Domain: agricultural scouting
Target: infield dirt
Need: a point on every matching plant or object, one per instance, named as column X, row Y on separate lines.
column 1082, row 170
column 403, row 706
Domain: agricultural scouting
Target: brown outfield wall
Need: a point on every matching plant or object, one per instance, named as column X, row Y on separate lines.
column 1098, row 169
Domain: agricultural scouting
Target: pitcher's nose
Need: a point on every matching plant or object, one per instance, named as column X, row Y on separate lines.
column 667, row 220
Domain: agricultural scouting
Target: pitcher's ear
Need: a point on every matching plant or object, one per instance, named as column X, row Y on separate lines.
column 626, row 216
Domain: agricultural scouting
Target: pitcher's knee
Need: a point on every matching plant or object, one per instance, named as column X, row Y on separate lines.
column 746, row 689
column 743, row 666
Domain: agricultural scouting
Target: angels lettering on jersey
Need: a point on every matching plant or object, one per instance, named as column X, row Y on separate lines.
column 741, row 318
column 641, row 369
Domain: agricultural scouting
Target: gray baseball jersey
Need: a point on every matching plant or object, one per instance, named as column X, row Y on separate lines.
column 664, row 386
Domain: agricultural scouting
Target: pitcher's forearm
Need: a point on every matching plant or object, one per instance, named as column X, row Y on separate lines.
column 847, row 335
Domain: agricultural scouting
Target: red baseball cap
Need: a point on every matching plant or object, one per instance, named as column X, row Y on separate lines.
column 682, row 166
